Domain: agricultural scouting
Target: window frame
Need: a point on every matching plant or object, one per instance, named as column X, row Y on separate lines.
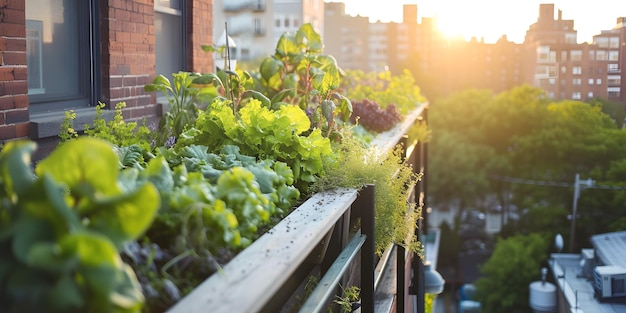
column 89, row 59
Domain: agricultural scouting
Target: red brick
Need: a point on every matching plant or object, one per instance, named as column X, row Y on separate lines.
column 6, row 73
column 2, row 119
column 22, row 130
column 13, row 30
column 16, row 44
column 7, row 132
column 13, row 58
column 13, row 88
column 21, row 101
column 20, row 73
column 19, row 5
column 6, row 103
column 16, row 116
column 12, row 16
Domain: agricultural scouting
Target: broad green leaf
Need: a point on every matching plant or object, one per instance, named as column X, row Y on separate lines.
column 47, row 256
column 270, row 67
column 160, row 83
column 265, row 101
column 307, row 35
column 85, row 165
column 286, row 45
column 30, row 232
column 66, row 295
column 15, row 166
column 92, row 249
column 126, row 217
column 127, row 295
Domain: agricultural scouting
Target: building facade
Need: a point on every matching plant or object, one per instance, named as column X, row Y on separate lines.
column 60, row 55
column 250, row 24
column 549, row 58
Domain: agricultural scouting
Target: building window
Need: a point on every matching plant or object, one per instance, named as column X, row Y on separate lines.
column 563, row 55
column 296, row 23
column 613, row 42
column 590, row 81
column 286, row 22
column 600, row 55
column 599, row 81
column 614, row 79
column 277, row 22
column 612, row 68
column 576, row 95
column 577, row 70
column 576, row 81
column 613, row 91
column 169, row 37
column 590, row 95
column 613, row 55
column 59, row 52
column 576, row 55
column 563, row 69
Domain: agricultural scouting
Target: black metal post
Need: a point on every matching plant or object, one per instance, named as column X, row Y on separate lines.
column 366, row 201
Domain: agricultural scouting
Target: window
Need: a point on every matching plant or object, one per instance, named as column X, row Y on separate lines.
column 590, row 95
column 563, row 55
column 613, row 55
column 576, row 55
column 286, row 22
column 613, row 42
column 614, row 79
column 169, row 37
column 599, row 81
column 577, row 70
column 60, row 40
column 613, row 91
column 576, row 81
column 602, row 42
column 601, row 55
column 612, row 68
column 277, row 22
column 543, row 54
column 590, row 81
column 576, row 95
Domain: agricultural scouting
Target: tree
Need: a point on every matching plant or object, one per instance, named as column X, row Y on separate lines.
column 514, row 264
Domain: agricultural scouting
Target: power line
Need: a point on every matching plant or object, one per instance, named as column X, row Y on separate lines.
column 551, row 183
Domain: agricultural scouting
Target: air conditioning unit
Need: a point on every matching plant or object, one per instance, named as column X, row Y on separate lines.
column 610, row 281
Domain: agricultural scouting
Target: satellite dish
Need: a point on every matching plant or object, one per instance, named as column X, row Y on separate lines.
column 558, row 242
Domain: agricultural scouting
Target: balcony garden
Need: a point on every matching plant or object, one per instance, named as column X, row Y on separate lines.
column 128, row 217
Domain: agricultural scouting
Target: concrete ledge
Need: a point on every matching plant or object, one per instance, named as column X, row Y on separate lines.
column 45, row 125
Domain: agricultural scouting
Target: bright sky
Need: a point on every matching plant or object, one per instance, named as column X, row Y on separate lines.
column 491, row 19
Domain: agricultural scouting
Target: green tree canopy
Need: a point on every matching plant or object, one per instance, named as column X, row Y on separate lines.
column 514, row 264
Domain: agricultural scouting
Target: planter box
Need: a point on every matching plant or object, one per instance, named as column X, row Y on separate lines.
column 309, row 241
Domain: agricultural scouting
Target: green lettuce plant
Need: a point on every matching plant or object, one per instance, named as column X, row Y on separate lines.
column 62, row 225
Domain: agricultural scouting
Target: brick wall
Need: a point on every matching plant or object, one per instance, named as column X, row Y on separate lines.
column 14, row 116
column 199, row 32
column 127, row 59
column 128, row 56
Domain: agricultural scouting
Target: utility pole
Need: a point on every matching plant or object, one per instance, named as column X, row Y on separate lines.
column 578, row 186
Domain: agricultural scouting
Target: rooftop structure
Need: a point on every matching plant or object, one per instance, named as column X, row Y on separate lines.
column 594, row 280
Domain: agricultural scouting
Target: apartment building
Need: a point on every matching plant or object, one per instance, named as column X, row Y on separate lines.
column 550, row 56
column 250, row 23
column 59, row 55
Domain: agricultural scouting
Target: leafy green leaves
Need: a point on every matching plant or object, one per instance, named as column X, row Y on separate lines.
column 280, row 135
column 61, row 232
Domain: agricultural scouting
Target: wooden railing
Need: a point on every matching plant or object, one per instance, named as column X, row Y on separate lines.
column 328, row 239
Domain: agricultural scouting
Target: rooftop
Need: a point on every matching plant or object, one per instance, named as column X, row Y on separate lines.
column 574, row 278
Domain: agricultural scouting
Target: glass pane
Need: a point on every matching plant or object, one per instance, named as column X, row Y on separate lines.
column 169, row 51
column 52, row 47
